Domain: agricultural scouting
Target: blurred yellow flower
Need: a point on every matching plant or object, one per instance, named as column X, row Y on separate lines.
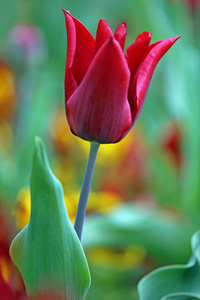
column 110, row 153
column 101, row 202
column 128, row 258
column 22, row 208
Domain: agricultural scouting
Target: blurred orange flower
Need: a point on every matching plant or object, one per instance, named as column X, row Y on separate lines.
column 8, row 91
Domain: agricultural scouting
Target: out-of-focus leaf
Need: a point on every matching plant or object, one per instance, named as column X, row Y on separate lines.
column 47, row 251
column 179, row 282
column 160, row 233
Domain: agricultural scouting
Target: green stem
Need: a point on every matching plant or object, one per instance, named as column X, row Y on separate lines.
column 81, row 210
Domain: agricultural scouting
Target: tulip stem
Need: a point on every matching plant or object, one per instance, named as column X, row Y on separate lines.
column 81, row 210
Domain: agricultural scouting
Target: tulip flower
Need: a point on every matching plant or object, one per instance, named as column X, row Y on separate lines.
column 104, row 88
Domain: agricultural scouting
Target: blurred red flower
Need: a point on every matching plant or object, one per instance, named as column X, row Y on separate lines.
column 193, row 4
column 6, row 290
column 105, row 89
column 171, row 143
column 11, row 285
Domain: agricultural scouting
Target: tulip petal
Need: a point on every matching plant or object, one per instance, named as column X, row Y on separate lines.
column 99, row 109
column 145, row 71
column 140, row 82
column 70, row 83
column 136, row 51
column 103, row 33
column 80, row 47
column 120, row 34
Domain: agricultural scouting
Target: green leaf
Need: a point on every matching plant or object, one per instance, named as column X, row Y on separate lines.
column 161, row 234
column 178, row 282
column 182, row 296
column 47, row 251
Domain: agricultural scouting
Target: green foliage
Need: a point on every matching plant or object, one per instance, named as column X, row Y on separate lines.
column 161, row 235
column 174, row 282
column 47, row 251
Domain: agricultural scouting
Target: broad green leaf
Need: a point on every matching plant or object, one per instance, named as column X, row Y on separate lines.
column 47, row 251
column 181, row 296
column 161, row 234
column 178, row 282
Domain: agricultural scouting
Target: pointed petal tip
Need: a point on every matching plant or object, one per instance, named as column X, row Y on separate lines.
column 177, row 37
column 66, row 12
column 172, row 39
column 112, row 42
column 124, row 23
column 144, row 35
column 103, row 22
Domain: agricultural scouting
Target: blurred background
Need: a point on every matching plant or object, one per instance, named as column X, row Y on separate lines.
column 145, row 199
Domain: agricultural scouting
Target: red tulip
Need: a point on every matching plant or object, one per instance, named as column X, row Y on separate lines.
column 104, row 88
